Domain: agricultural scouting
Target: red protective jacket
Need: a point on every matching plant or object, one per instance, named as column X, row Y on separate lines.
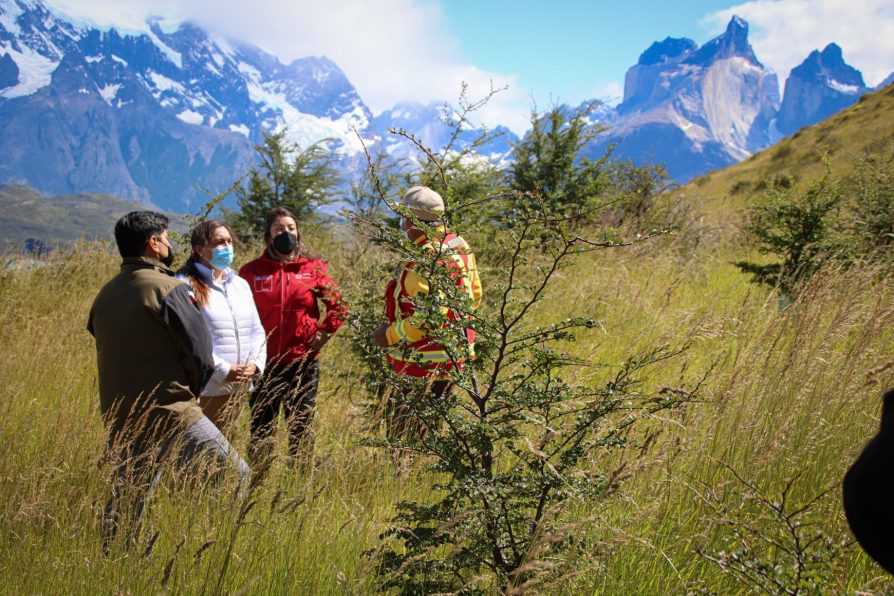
column 425, row 357
column 286, row 294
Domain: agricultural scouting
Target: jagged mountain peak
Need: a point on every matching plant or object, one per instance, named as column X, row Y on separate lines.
column 829, row 65
column 832, row 54
column 668, row 49
column 127, row 105
column 713, row 103
column 818, row 87
column 733, row 42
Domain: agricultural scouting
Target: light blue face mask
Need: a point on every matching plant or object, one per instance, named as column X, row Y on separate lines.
column 221, row 257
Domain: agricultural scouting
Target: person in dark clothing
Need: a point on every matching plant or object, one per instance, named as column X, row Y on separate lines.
column 869, row 492
column 153, row 354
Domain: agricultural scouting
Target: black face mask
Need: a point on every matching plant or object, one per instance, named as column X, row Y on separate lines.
column 168, row 260
column 285, row 243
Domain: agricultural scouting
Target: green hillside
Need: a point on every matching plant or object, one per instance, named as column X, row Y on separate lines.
column 840, row 139
column 58, row 220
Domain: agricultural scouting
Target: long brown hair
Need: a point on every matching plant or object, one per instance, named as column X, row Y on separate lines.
column 272, row 216
column 201, row 236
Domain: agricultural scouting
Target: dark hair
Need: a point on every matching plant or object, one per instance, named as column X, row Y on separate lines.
column 133, row 231
column 201, row 236
column 275, row 214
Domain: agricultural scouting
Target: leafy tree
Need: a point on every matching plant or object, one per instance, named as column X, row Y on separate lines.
column 773, row 543
column 550, row 161
column 633, row 191
column 848, row 218
column 515, row 442
column 462, row 176
column 384, row 176
column 300, row 179
column 869, row 196
column 794, row 224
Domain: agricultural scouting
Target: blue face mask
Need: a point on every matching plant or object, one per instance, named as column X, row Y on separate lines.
column 221, row 257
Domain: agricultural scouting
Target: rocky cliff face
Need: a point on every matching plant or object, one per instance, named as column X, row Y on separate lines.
column 695, row 108
column 160, row 115
column 9, row 72
column 156, row 117
column 820, row 86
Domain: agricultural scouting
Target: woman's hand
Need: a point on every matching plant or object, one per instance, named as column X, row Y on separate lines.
column 233, row 375
column 241, row 372
column 318, row 341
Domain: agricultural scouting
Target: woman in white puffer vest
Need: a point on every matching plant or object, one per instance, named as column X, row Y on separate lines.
column 239, row 343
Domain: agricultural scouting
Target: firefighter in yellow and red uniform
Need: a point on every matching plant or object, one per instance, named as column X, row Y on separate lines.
column 419, row 355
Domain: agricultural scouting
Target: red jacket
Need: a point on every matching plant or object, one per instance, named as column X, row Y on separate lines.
column 286, row 294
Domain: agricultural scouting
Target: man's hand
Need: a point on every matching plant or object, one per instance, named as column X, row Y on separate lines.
column 380, row 337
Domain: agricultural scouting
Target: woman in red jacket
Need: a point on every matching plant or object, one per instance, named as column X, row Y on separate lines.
column 288, row 286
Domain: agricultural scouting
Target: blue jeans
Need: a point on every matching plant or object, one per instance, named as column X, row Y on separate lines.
column 137, row 474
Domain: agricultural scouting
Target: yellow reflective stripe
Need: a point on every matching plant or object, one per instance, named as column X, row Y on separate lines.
column 401, row 332
column 398, row 287
column 467, row 278
column 433, row 356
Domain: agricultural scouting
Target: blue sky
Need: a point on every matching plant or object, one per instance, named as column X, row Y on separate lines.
column 544, row 52
column 571, row 50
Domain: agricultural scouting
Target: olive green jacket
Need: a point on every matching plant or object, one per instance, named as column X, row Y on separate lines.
column 153, row 352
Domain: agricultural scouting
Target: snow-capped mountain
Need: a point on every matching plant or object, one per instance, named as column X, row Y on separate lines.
column 693, row 108
column 820, row 86
column 160, row 115
column 428, row 125
column 696, row 109
column 155, row 116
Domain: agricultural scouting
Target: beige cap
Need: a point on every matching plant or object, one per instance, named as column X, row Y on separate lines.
column 424, row 203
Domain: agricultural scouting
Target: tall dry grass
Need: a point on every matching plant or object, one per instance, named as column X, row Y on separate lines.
column 787, row 394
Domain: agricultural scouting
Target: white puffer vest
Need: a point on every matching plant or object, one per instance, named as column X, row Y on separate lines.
column 237, row 336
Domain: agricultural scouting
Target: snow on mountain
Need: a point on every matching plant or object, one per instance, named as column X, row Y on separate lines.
column 428, row 123
column 695, row 108
column 35, row 40
column 201, row 78
column 156, row 114
column 820, row 86
column 183, row 80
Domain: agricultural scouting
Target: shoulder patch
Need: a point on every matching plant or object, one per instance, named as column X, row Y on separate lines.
column 263, row 283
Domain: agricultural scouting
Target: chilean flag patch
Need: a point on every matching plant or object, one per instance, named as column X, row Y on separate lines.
column 263, row 283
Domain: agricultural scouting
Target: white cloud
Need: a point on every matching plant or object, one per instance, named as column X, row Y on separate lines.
column 784, row 32
column 390, row 50
column 611, row 92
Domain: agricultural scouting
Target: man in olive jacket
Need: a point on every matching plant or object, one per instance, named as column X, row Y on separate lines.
column 153, row 352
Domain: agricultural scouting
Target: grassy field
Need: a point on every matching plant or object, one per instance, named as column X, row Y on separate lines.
column 789, row 399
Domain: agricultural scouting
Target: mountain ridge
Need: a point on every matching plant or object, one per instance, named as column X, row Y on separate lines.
column 159, row 115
